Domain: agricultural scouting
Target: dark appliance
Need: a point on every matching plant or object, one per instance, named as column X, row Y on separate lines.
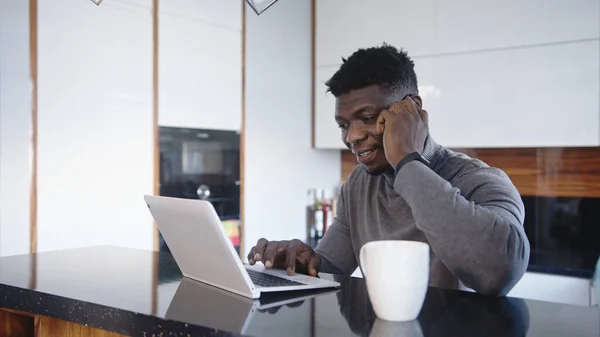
column 564, row 234
column 203, row 164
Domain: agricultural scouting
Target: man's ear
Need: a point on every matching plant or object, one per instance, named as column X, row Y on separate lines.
column 417, row 100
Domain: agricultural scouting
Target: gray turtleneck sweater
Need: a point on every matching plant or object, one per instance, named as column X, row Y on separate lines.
column 470, row 214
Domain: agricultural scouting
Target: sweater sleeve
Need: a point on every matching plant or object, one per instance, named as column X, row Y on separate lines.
column 335, row 248
column 480, row 239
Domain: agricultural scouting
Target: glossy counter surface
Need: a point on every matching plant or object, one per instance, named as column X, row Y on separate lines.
column 123, row 290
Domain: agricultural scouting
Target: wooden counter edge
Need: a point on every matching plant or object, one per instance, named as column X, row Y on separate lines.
column 15, row 323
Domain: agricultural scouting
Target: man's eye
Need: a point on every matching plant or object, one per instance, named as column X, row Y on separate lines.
column 343, row 126
column 369, row 119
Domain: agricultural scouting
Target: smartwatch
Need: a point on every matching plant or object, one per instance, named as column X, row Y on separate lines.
column 411, row 157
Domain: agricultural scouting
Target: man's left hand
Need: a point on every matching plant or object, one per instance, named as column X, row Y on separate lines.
column 405, row 127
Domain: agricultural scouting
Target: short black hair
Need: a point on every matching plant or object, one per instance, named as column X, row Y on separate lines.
column 385, row 66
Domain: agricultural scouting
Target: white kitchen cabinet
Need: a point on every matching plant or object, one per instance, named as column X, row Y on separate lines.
column 438, row 27
column 472, row 25
column 492, row 74
column 223, row 13
column 327, row 133
column 15, row 129
column 200, row 64
column 343, row 26
column 95, row 141
column 541, row 96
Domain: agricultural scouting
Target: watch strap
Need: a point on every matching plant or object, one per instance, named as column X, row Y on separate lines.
column 410, row 157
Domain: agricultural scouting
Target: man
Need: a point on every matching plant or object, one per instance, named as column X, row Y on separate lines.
column 408, row 187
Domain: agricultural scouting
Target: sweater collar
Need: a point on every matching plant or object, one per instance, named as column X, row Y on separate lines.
column 432, row 150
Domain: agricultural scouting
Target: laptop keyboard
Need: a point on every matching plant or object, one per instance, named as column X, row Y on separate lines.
column 267, row 280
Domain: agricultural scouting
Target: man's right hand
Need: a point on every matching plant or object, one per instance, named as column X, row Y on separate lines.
column 292, row 256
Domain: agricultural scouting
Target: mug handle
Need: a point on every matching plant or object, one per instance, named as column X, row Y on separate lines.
column 362, row 260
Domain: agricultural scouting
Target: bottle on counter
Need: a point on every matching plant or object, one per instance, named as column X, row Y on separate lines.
column 319, row 217
column 334, row 201
column 326, row 204
column 320, row 214
column 310, row 218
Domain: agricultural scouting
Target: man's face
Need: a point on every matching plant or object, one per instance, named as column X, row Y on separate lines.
column 356, row 114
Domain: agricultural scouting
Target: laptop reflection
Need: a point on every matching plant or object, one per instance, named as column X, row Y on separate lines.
column 201, row 304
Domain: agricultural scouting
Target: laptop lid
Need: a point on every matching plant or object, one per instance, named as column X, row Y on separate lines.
column 193, row 231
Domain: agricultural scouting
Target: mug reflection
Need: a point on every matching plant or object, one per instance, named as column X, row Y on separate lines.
column 383, row 328
column 444, row 313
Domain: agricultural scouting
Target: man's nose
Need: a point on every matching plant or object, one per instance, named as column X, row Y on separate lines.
column 355, row 134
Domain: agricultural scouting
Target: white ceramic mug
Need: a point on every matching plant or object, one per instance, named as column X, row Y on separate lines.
column 397, row 276
column 383, row 328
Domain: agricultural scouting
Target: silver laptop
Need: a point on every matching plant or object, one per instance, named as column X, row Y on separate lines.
column 197, row 240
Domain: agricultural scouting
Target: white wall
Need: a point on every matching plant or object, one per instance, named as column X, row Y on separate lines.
column 279, row 163
column 15, row 127
column 95, row 123
column 200, row 64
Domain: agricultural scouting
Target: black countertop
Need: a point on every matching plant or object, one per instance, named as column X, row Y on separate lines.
column 123, row 290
